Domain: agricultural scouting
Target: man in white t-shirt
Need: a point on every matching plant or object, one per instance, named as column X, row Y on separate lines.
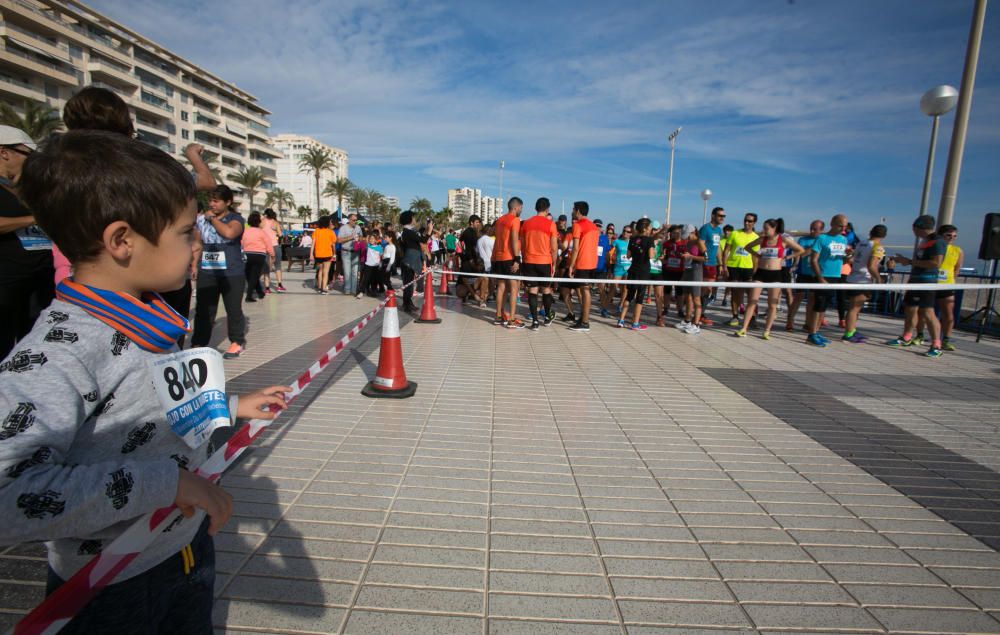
column 484, row 247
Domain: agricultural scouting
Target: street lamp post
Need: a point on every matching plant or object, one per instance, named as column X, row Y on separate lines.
column 501, row 211
column 705, row 195
column 935, row 102
column 670, row 177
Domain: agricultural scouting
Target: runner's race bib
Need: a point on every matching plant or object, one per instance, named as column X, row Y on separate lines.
column 655, row 266
column 740, row 251
column 942, row 275
column 674, row 263
column 213, row 260
column 715, row 240
column 626, row 262
column 600, row 251
column 838, row 250
column 33, row 238
column 191, row 386
column 768, row 252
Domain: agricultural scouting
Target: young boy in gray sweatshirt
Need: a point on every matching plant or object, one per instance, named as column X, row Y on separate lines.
column 89, row 440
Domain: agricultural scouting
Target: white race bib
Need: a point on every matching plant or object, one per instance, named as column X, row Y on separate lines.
column 740, row 251
column 625, row 261
column 768, row 252
column 600, row 251
column 213, row 260
column 838, row 250
column 191, row 386
column 33, row 238
column 942, row 275
column 674, row 263
column 715, row 240
column 656, row 266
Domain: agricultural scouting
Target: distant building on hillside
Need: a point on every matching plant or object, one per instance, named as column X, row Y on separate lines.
column 466, row 201
column 302, row 185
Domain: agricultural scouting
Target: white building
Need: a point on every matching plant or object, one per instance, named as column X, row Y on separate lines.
column 466, row 201
column 302, row 184
column 49, row 49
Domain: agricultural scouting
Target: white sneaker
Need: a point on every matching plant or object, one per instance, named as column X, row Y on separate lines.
column 682, row 325
column 692, row 329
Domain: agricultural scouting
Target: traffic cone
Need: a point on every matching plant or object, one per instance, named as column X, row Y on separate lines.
column 427, row 313
column 390, row 378
column 444, row 282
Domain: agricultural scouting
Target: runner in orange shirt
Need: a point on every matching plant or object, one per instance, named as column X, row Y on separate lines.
column 540, row 243
column 583, row 261
column 506, row 261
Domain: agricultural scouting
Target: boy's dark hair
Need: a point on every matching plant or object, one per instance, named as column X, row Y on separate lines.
column 269, row 213
column 223, row 193
column 727, row 228
column 542, row 204
column 640, row 225
column 582, row 206
column 944, row 229
column 880, row 231
column 475, row 219
column 514, row 200
column 323, row 221
column 253, row 219
column 80, row 182
column 94, row 108
column 405, row 218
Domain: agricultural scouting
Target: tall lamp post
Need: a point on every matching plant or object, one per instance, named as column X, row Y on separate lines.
column 935, row 102
column 670, row 177
column 500, row 211
column 705, row 195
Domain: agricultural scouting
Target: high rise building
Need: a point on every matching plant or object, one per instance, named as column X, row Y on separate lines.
column 51, row 48
column 465, row 201
column 302, row 184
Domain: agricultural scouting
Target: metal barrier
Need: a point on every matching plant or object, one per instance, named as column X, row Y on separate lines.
column 890, row 303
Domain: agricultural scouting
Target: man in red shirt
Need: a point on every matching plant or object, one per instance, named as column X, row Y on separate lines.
column 540, row 243
column 583, row 261
column 506, row 261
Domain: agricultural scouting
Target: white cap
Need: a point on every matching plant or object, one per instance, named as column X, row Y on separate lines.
column 689, row 229
column 11, row 136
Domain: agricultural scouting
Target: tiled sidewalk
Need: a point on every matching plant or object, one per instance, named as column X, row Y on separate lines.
column 607, row 482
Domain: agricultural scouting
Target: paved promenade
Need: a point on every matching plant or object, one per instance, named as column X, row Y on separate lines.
column 605, row 482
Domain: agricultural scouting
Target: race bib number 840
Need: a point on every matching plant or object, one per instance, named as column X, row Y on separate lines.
column 191, row 386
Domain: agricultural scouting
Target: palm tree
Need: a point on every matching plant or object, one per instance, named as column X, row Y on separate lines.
column 373, row 201
column 420, row 204
column 304, row 212
column 339, row 189
column 356, row 199
column 250, row 179
column 39, row 120
column 317, row 160
column 282, row 199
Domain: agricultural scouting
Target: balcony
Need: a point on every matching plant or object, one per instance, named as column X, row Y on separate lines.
column 217, row 131
column 11, row 58
column 264, row 148
column 35, row 41
column 154, row 128
column 149, row 106
column 125, row 94
column 17, row 89
column 112, row 74
column 52, row 22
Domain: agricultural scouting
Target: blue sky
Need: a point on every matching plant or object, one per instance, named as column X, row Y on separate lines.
column 796, row 109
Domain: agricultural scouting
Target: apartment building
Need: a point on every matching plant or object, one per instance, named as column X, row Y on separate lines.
column 465, row 201
column 51, row 48
column 302, row 184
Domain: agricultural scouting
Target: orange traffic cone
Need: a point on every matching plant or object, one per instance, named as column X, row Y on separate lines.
column 444, row 282
column 390, row 378
column 427, row 313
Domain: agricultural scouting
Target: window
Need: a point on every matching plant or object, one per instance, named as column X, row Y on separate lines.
column 51, row 91
column 184, row 116
column 185, row 134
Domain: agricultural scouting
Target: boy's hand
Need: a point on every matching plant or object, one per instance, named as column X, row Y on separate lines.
column 256, row 405
column 195, row 492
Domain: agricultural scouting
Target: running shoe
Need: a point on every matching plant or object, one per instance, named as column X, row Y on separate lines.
column 823, row 338
column 621, row 324
column 498, row 320
column 515, row 323
column 816, row 340
column 933, row 352
column 740, row 333
column 841, row 323
column 233, row 351
column 583, row 327
column 250, row 299
column 569, row 317
column 534, row 325
column 482, row 305
column 660, row 322
column 267, row 291
column 682, row 325
column 857, row 338
column 324, row 292
column 706, row 322
column 917, row 340
column 766, row 335
column 281, row 288
column 899, row 342
column 692, row 329
column 549, row 319
column 734, row 322
column 947, row 345
column 605, row 313
column 823, row 322
column 790, row 326
column 638, row 327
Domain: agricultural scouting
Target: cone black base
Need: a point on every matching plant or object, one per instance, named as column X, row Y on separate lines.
column 422, row 321
column 400, row 393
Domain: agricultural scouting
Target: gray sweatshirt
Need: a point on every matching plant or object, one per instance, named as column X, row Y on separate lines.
column 85, row 446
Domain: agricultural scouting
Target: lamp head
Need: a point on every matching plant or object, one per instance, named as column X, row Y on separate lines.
column 706, row 194
column 939, row 100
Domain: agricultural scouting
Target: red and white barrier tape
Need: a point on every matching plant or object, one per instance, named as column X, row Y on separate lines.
column 58, row 609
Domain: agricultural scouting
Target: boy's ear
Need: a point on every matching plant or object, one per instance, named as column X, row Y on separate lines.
column 119, row 240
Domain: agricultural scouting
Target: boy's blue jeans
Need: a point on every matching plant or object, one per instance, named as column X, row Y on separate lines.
column 161, row 600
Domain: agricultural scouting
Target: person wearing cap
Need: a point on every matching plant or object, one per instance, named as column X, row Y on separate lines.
column 864, row 270
column 928, row 256
column 561, row 223
column 27, row 276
